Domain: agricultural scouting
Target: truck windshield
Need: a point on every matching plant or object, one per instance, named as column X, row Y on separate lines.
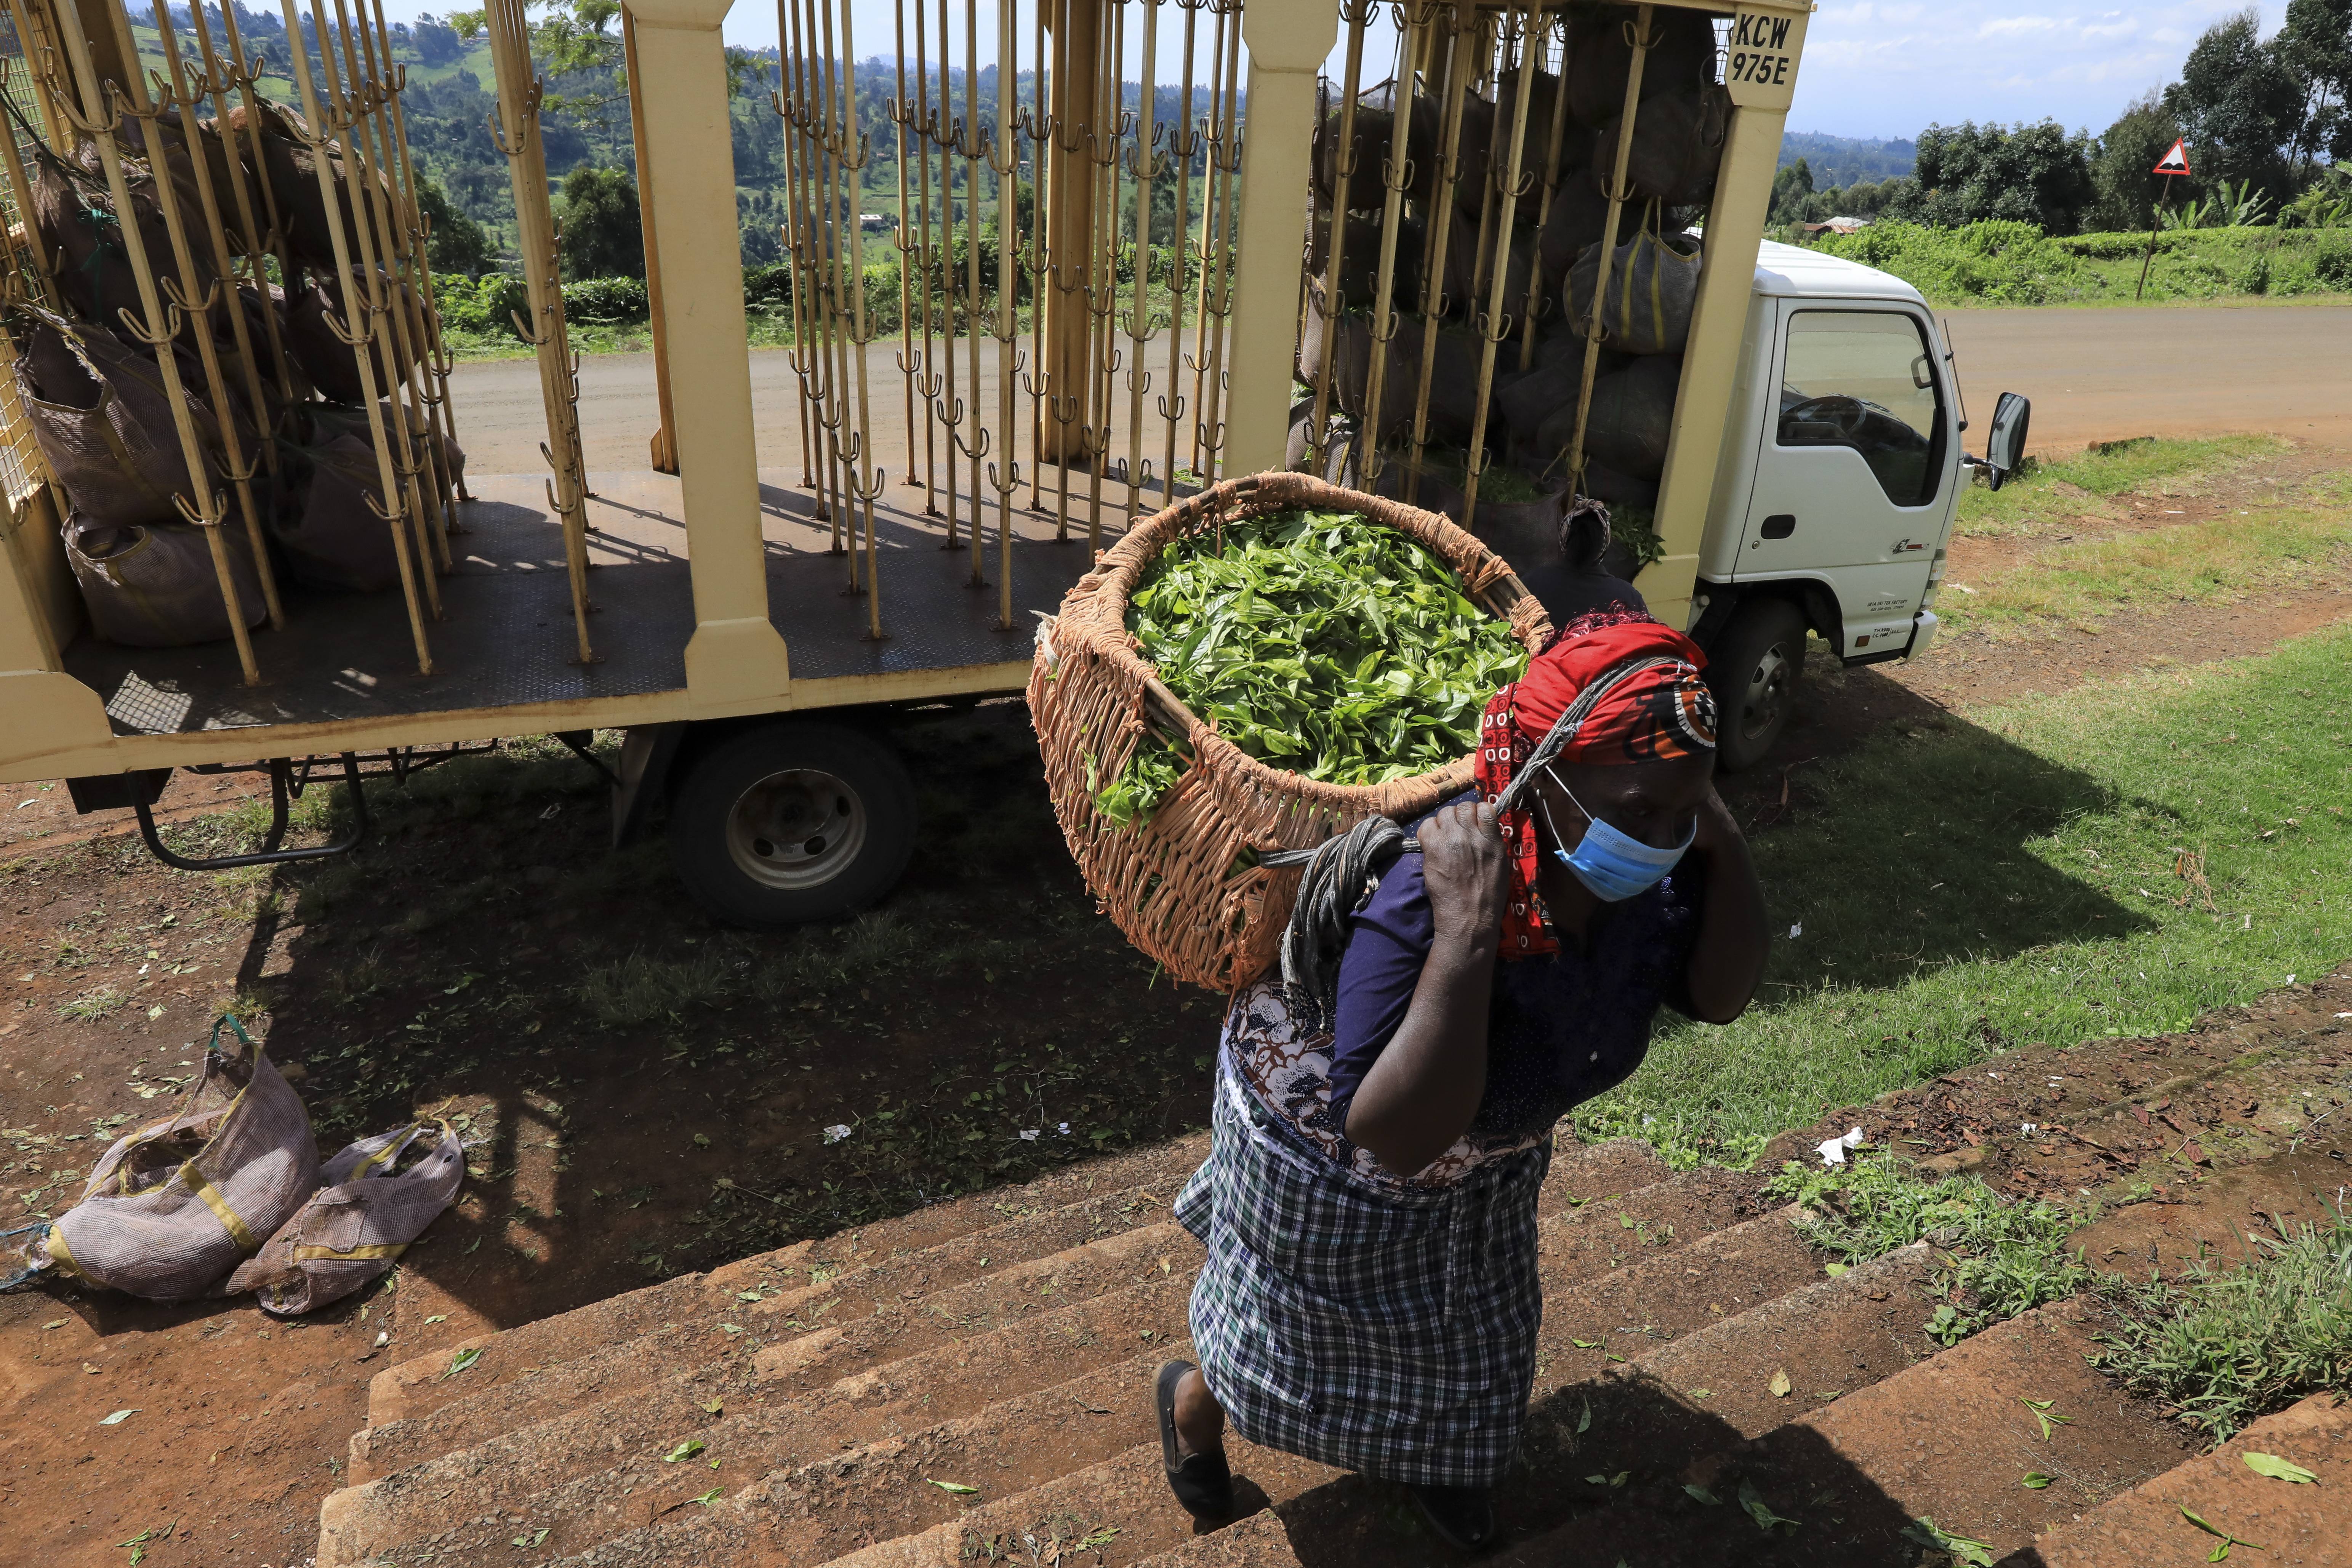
column 1864, row 380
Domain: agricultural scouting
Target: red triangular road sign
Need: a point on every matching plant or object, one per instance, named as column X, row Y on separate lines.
column 2173, row 162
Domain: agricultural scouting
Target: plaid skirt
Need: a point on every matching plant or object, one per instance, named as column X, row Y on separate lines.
column 1390, row 1332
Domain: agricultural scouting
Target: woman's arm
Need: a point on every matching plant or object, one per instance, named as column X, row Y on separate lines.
column 1422, row 1092
column 1727, row 959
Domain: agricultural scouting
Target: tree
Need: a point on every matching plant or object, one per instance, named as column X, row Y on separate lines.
column 2316, row 45
column 602, row 234
column 456, row 244
column 2129, row 188
column 436, row 43
column 2238, row 102
column 2026, row 174
column 1791, row 186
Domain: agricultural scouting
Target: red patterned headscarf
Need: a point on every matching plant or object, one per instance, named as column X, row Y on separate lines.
column 1653, row 715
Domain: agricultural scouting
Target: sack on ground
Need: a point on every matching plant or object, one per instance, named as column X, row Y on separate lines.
column 1652, row 284
column 357, row 1225
column 174, row 1207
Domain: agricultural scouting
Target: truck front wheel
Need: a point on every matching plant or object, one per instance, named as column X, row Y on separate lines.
column 792, row 822
column 1755, row 668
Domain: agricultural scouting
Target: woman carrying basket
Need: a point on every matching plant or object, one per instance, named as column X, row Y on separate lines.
column 1370, row 1299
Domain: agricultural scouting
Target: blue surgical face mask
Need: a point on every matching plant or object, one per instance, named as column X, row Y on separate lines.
column 1613, row 864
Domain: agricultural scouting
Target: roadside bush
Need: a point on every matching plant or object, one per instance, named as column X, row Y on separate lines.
column 483, row 306
column 604, row 301
column 768, row 287
column 1999, row 261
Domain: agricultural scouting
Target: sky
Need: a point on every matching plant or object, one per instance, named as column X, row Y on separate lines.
column 1871, row 68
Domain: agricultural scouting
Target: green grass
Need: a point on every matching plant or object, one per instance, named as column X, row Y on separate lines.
column 2002, row 1256
column 2070, row 585
column 1971, row 887
column 2225, row 1347
column 2003, row 263
column 2034, row 500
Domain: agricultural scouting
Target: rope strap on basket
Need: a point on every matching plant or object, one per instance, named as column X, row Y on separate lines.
column 1344, row 871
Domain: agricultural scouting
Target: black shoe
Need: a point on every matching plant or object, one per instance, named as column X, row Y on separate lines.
column 1463, row 1517
column 1203, row 1483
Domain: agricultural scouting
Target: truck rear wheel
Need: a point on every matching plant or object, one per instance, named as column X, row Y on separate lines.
column 1755, row 668
column 792, row 822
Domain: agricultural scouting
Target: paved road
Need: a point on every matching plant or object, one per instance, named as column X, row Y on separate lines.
column 2095, row 374
column 2092, row 374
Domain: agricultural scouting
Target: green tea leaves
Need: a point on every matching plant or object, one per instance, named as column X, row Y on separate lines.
column 1315, row 642
column 1928, row 1533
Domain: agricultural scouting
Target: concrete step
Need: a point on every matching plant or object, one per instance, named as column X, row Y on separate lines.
column 1950, row 1438
column 938, row 1327
column 1076, row 1515
column 2307, row 1523
column 778, row 1521
column 1139, row 1180
column 1258, row 1541
column 602, row 1470
column 542, row 1369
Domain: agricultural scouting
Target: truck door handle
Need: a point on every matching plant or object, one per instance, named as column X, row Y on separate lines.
column 1780, row 525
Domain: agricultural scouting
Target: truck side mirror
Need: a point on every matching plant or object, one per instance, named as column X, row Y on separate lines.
column 2005, row 441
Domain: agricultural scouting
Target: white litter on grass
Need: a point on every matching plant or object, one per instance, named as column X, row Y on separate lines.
column 1833, row 1150
column 2344, row 1014
column 1796, row 931
column 836, row 1132
column 1063, row 1128
column 1028, row 1135
column 2028, row 1128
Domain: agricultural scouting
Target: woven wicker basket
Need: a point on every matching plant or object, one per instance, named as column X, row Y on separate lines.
column 1171, row 881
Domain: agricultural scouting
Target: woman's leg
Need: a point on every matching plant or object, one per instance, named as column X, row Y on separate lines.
column 1200, row 1419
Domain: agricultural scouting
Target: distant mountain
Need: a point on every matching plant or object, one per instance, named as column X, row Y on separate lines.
column 1843, row 160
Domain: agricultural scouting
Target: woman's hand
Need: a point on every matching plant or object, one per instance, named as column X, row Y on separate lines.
column 1466, row 868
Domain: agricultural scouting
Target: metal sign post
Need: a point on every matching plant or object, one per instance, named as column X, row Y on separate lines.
column 2172, row 165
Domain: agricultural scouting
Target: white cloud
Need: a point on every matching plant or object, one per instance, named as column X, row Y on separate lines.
column 1881, row 70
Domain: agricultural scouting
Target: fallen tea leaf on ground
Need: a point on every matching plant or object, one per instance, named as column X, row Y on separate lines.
column 1780, row 1386
column 2279, row 1469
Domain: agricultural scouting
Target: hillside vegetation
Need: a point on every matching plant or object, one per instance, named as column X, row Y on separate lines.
column 1996, row 262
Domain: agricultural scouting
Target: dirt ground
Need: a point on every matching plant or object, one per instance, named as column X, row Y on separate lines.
column 642, row 1093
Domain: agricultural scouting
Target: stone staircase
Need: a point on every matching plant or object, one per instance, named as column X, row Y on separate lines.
column 971, row 1382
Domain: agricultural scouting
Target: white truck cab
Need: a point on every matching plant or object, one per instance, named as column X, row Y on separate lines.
column 1836, row 486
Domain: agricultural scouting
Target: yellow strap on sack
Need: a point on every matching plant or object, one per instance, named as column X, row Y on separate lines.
column 369, row 1250
column 59, row 1253
column 237, row 1229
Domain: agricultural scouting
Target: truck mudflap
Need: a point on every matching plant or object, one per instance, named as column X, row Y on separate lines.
column 1923, row 633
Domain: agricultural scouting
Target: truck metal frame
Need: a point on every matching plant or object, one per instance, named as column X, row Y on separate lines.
column 720, row 589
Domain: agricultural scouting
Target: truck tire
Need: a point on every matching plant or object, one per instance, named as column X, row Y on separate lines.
column 1755, row 668
column 792, row 822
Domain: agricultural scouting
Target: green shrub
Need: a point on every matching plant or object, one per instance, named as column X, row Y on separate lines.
column 484, row 305
column 601, row 301
column 2227, row 1346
